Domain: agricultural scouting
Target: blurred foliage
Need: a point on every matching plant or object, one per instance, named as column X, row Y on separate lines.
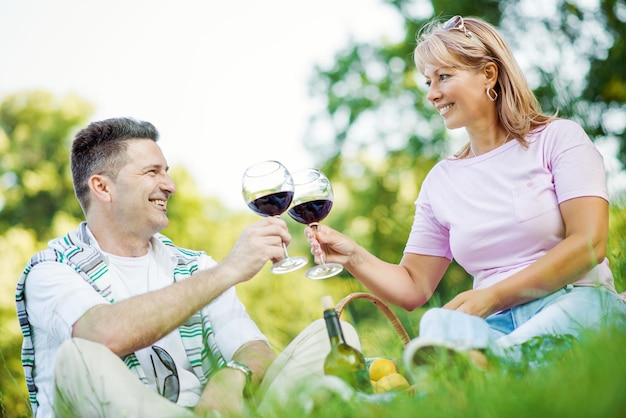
column 504, row 390
column 36, row 203
column 16, row 246
column 616, row 251
column 376, row 137
column 35, row 135
column 36, row 185
column 282, row 304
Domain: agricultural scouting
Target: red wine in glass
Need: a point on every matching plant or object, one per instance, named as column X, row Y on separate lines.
column 312, row 201
column 272, row 204
column 311, row 212
column 267, row 189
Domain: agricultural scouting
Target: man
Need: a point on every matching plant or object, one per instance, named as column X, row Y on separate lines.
column 118, row 321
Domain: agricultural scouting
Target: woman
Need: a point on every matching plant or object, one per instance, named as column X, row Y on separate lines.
column 523, row 207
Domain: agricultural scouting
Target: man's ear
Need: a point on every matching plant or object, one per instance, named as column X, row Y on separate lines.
column 100, row 187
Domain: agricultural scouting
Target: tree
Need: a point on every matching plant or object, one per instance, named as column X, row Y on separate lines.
column 36, row 199
column 605, row 92
column 281, row 305
column 36, row 187
column 35, row 138
column 377, row 136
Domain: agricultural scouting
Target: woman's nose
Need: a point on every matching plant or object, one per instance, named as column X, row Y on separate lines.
column 433, row 94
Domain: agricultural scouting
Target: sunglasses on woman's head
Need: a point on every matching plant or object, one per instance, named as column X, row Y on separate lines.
column 457, row 23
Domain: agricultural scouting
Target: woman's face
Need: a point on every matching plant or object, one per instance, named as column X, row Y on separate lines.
column 459, row 96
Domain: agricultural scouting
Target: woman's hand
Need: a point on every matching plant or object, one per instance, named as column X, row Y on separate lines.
column 329, row 245
column 407, row 285
column 478, row 302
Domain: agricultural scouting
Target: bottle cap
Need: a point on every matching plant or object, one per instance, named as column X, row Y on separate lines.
column 327, row 302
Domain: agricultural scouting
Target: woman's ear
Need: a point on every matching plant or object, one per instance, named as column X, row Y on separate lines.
column 491, row 74
column 99, row 186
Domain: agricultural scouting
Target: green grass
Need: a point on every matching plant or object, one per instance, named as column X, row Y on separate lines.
column 562, row 378
column 559, row 378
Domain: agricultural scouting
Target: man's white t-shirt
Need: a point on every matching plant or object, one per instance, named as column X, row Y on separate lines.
column 56, row 297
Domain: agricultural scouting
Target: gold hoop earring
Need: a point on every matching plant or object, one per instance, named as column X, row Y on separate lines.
column 489, row 92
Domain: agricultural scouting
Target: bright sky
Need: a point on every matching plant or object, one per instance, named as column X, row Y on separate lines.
column 225, row 82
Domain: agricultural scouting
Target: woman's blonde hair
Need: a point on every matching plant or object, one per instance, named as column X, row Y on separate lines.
column 472, row 47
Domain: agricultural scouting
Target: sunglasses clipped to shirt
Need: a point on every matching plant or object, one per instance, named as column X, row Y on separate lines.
column 170, row 387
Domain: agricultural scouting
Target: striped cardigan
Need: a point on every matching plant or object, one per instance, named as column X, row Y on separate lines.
column 74, row 250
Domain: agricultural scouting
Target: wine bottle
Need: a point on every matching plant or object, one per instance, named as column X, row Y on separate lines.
column 343, row 361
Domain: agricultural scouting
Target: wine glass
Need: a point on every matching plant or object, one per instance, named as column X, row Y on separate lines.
column 267, row 189
column 312, row 201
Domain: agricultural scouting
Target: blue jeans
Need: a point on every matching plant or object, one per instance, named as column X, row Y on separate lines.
column 566, row 311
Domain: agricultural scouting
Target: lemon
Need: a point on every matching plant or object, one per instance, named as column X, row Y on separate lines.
column 392, row 381
column 381, row 367
column 479, row 359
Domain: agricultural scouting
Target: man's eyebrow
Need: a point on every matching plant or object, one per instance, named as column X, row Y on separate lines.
column 155, row 166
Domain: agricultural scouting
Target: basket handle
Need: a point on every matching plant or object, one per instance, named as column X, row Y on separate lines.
column 391, row 316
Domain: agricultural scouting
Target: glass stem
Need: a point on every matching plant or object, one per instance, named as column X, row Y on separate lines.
column 283, row 242
column 322, row 258
column 285, row 250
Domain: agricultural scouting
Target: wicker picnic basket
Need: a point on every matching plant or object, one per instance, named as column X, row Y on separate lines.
column 391, row 316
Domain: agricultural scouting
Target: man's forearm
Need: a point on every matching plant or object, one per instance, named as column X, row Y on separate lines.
column 137, row 322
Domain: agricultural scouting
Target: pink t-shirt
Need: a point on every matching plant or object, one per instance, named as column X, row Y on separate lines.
column 497, row 213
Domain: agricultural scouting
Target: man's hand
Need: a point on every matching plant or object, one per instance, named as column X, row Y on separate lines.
column 259, row 243
column 224, row 394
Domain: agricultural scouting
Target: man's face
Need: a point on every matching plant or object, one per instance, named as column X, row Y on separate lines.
column 141, row 191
